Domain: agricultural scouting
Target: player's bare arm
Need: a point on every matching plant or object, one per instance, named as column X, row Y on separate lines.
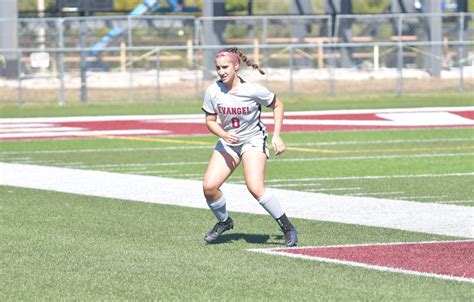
column 216, row 129
column 278, row 113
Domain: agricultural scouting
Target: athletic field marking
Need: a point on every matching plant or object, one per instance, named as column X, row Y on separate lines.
column 387, row 150
column 80, row 133
column 440, row 219
column 200, row 116
column 333, row 189
column 454, row 201
column 281, row 159
column 427, row 259
column 196, row 147
column 167, row 125
column 315, row 150
column 370, row 177
column 420, row 155
column 161, row 140
column 388, row 141
column 422, row 197
column 155, row 172
column 84, row 166
column 377, row 193
column 296, row 185
column 106, row 150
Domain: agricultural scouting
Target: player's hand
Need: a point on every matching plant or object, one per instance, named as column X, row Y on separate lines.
column 278, row 145
column 231, row 138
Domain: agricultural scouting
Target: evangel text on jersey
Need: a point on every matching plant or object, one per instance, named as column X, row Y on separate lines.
column 234, row 110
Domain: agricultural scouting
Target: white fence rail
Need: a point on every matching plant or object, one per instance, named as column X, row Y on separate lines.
column 164, row 57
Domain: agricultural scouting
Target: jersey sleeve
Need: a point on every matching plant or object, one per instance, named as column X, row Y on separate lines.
column 208, row 105
column 264, row 96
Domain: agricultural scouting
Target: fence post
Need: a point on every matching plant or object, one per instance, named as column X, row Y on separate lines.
column 130, row 60
column 19, row 77
column 400, row 58
column 320, row 54
column 158, row 67
column 82, row 44
column 292, row 52
column 376, row 57
column 256, row 51
column 123, row 57
column 197, row 54
column 62, row 99
column 461, row 54
column 189, row 52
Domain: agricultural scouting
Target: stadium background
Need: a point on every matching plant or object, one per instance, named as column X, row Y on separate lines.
column 308, row 50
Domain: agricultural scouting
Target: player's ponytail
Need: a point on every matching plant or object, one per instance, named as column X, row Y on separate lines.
column 245, row 59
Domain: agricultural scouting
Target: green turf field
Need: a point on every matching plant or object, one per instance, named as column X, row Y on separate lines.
column 58, row 246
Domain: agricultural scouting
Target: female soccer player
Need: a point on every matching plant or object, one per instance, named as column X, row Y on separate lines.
column 242, row 138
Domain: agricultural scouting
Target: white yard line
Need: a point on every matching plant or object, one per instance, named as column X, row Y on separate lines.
column 376, row 193
column 295, row 185
column 334, row 189
column 107, row 150
column 292, row 180
column 388, row 141
column 97, row 150
column 441, row 219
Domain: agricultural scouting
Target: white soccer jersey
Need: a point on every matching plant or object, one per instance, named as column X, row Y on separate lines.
column 239, row 110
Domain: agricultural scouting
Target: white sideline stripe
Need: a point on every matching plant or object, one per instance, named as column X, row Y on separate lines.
column 106, row 150
column 44, row 129
column 441, row 219
column 84, row 133
column 275, row 252
column 388, row 141
column 419, row 155
column 398, row 119
column 392, row 119
column 27, row 125
column 376, row 193
column 334, row 189
column 295, row 185
column 454, row 201
column 371, row 177
column 84, row 166
column 190, row 116
column 207, row 147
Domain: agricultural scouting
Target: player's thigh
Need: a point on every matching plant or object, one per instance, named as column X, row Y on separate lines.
column 220, row 167
column 254, row 164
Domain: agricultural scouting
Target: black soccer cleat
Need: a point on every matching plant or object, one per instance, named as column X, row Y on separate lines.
column 291, row 237
column 218, row 229
column 289, row 231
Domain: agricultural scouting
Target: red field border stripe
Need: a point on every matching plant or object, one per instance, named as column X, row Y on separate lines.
column 448, row 260
column 193, row 124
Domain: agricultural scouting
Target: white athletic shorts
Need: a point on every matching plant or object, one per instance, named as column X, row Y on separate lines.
column 256, row 143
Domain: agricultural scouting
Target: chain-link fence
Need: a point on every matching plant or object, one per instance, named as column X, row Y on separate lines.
column 154, row 58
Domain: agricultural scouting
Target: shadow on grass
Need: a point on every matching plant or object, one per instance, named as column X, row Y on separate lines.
column 249, row 238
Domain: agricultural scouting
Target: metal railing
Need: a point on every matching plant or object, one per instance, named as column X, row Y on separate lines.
column 158, row 57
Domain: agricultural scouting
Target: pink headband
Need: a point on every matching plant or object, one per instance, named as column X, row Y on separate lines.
column 229, row 54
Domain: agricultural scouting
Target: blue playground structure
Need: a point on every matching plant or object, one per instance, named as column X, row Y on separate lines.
column 148, row 6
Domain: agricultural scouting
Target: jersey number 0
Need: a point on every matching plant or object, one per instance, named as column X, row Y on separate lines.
column 235, row 122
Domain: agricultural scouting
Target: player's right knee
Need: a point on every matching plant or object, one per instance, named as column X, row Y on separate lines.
column 211, row 192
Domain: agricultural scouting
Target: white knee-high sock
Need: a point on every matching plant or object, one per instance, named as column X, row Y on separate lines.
column 271, row 204
column 218, row 208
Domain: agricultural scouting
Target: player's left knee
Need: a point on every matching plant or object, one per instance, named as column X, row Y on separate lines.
column 256, row 192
